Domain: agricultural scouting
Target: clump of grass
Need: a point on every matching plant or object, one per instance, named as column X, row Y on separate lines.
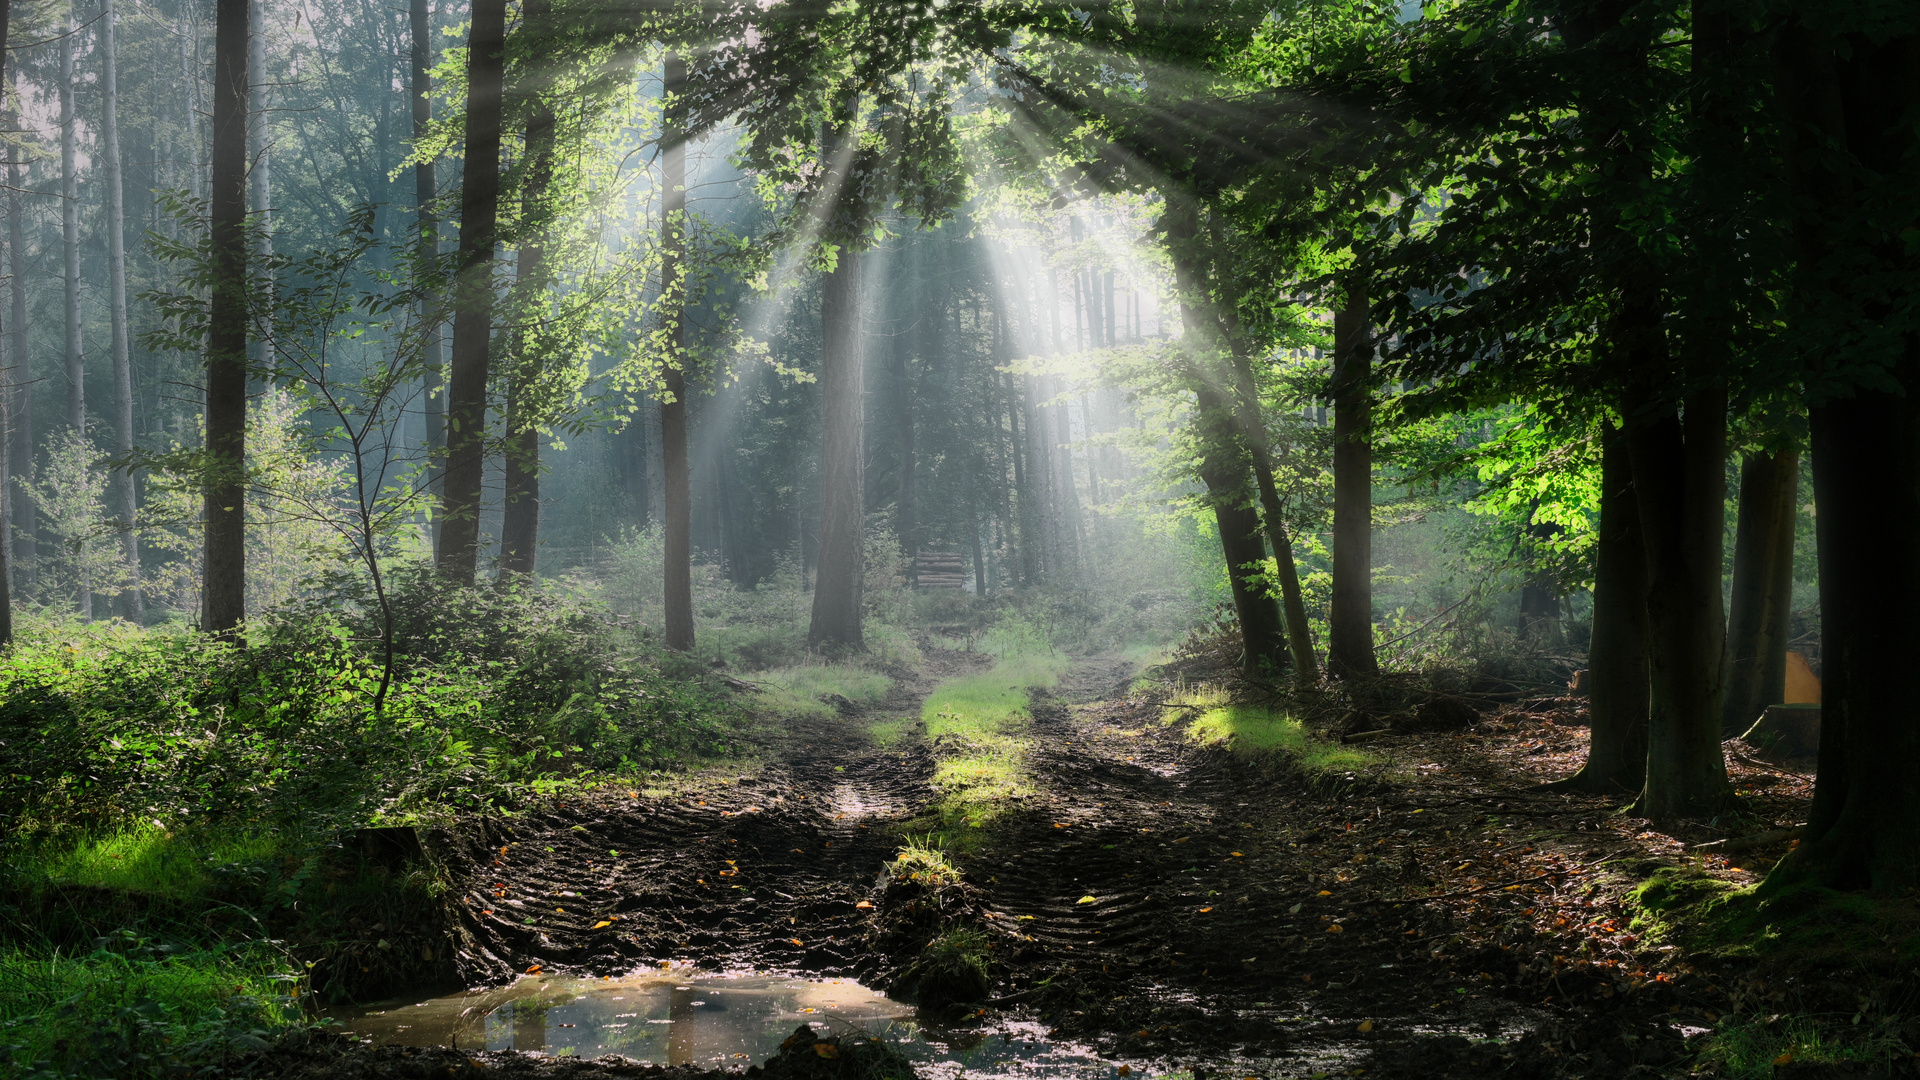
column 923, row 860
column 956, row 966
column 799, row 690
column 1250, row 729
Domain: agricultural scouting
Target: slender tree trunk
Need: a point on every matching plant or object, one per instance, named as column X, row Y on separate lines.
column 520, row 527
column 1224, row 470
column 224, row 596
column 1350, row 616
column 1762, row 599
column 425, row 190
column 1679, row 470
column 459, row 552
column 70, row 238
column 7, row 380
column 25, row 546
column 676, row 474
column 1617, row 660
column 260, row 166
column 131, row 605
column 838, row 594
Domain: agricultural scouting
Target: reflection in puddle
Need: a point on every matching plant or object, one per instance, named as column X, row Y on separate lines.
column 708, row 1021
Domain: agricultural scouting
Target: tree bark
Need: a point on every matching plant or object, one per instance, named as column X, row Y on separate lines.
column 1617, row 660
column 1350, row 615
column 24, row 543
column 131, row 606
column 459, row 552
column 1679, row 469
column 7, row 380
column 1758, row 617
column 1864, row 827
column 70, row 239
column 1224, row 470
column 224, row 593
column 425, row 190
column 520, row 526
column 676, row 473
column 838, row 594
column 260, row 167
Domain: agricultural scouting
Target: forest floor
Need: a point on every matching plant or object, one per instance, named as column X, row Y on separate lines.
column 1171, row 905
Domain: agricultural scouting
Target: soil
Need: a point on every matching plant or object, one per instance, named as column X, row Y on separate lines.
column 1173, row 906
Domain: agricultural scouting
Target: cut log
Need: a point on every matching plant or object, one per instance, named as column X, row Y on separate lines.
column 1803, row 686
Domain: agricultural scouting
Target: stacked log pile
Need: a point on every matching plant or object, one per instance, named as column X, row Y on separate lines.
column 939, row 570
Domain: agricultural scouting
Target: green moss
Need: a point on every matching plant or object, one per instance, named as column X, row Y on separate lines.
column 1250, row 729
column 1784, row 918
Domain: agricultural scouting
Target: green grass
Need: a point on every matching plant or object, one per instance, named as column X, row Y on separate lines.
column 1748, row 1047
column 150, row 861
column 796, row 691
column 980, row 725
column 131, row 1009
column 1249, row 729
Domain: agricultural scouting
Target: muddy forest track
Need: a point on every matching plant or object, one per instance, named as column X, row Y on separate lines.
column 1175, row 906
column 759, row 870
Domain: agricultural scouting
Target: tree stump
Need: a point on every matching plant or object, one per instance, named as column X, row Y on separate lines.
column 1787, row 730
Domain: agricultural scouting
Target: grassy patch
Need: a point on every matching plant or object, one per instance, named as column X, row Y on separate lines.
column 1748, row 1048
column 980, row 725
column 1249, row 729
column 131, row 1008
column 803, row 690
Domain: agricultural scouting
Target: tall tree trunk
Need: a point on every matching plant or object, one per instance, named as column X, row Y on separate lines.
column 224, row 596
column 25, row 545
column 260, row 165
column 131, row 605
column 1617, row 660
column 676, row 473
column 425, row 189
column 1350, row 615
column 908, row 519
column 7, row 380
column 1679, row 470
column 1863, row 830
column 70, row 238
column 1762, row 598
column 459, row 552
column 837, row 596
column 520, row 527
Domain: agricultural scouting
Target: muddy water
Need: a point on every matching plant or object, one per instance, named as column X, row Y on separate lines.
column 709, row 1021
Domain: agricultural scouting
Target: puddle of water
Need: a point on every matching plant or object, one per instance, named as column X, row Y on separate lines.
column 709, row 1021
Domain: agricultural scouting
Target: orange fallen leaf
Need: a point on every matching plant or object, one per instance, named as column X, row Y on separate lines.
column 487, row 912
column 1784, row 1059
column 1324, row 892
column 1124, row 1070
column 534, row 970
column 864, row 905
column 797, row 941
column 826, row 1050
column 1059, row 824
column 1204, row 910
column 1235, row 854
column 1336, row 928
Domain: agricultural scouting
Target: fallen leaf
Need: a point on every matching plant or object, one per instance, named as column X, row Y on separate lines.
column 1294, row 910
column 826, row 1050
column 798, row 942
column 1204, row 910
column 1088, row 900
column 1059, row 824
column 1324, row 892
column 1784, row 1059
column 487, row 912
column 1336, row 928
column 602, row 924
column 1235, row 854
column 864, row 905
column 1124, row 1070
column 559, row 911
column 1365, row 1025
column 534, row 970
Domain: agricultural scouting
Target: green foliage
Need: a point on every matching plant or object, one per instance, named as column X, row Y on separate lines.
column 503, row 692
column 805, row 690
column 1254, row 730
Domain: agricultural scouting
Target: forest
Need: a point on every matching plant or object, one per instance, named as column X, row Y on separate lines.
column 899, row 539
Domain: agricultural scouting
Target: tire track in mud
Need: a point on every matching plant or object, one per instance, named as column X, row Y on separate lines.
column 1203, row 942
column 759, row 870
